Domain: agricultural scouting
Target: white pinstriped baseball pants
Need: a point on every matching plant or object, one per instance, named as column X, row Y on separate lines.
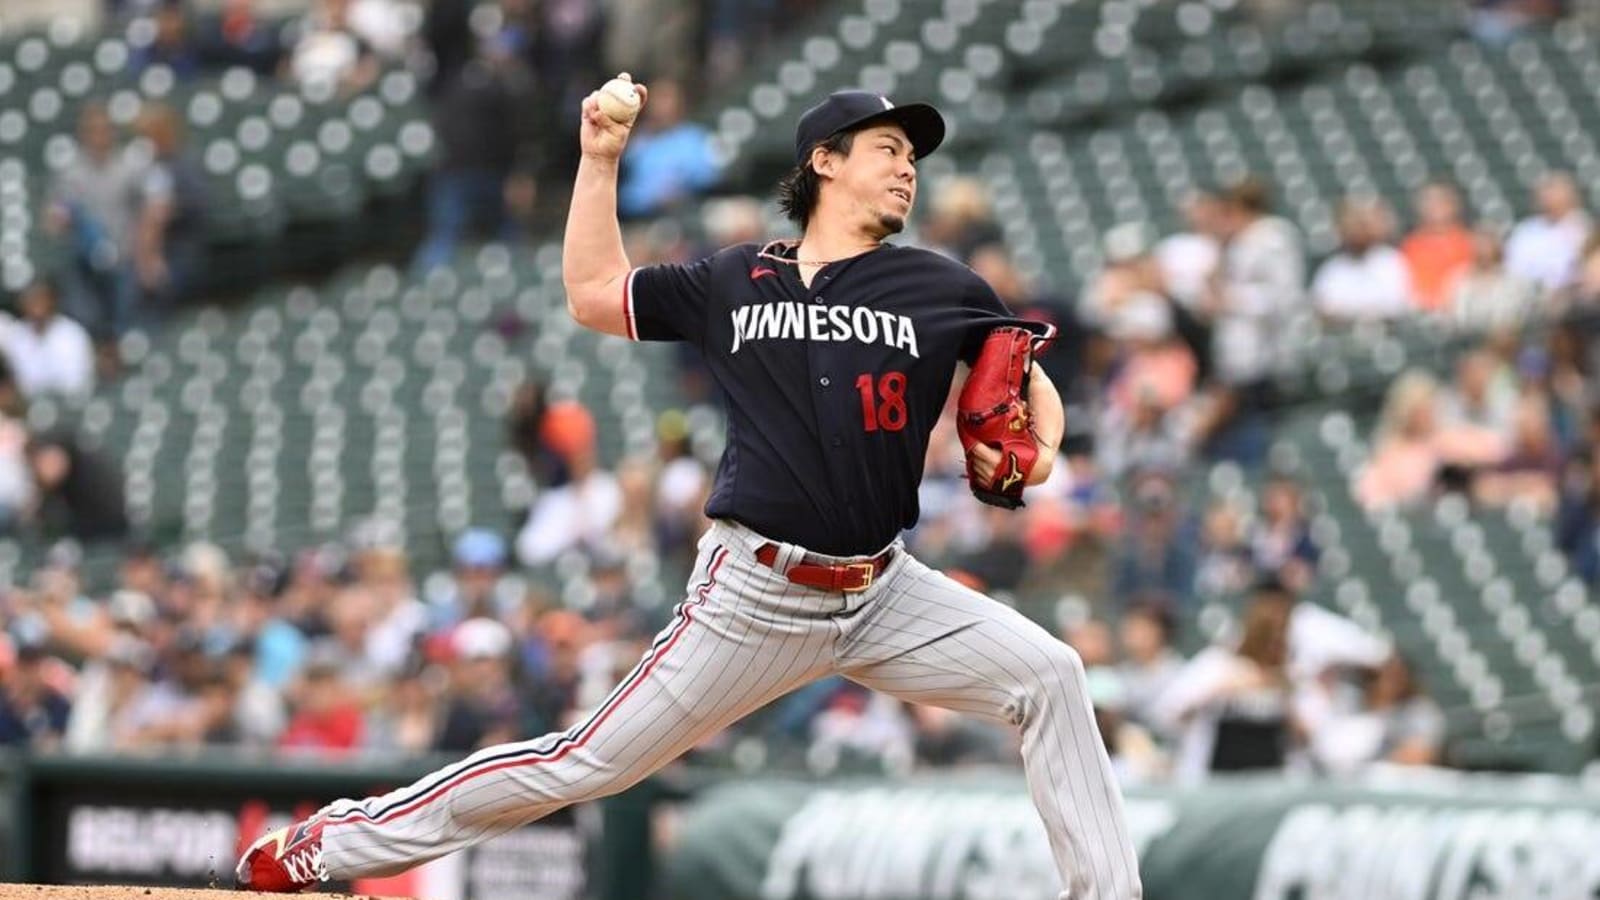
column 744, row 636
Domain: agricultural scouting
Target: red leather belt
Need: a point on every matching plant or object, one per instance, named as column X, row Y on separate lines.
column 847, row 578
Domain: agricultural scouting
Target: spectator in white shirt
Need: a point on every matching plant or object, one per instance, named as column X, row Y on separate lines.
column 1188, row 258
column 1286, row 648
column 1259, row 282
column 580, row 513
column 1321, row 639
column 1367, row 279
column 332, row 50
column 1150, row 666
column 1487, row 297
column 49, row 353
column 1482, row 396
column 16, row 480
column 1395, row 723
column 1544, row 248
column 94, row 209
column 1232, row 707
column 1258, row 285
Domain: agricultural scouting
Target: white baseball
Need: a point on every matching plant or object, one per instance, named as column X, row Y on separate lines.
column 619, row 100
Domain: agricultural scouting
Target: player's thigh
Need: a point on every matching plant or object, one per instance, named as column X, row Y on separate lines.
column 725, row 653
column 936, row 641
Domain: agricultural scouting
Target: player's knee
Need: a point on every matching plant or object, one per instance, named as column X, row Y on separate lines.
column 1059, row 675
column 603, row 782
column 1065, row 664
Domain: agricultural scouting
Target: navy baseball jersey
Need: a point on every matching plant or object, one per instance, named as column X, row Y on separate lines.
column 832, row 390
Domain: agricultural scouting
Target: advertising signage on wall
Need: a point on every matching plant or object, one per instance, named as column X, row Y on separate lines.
column 125, row 827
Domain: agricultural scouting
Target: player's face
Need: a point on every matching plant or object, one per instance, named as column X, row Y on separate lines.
column 880, row 177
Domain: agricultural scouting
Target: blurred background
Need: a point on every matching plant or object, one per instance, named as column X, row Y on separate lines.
column 307, row 478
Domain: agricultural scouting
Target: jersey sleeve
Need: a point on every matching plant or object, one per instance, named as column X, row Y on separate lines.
column 985, row 311
column 667, row 302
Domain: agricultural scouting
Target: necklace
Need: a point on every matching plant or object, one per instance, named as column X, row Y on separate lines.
column 767, row 253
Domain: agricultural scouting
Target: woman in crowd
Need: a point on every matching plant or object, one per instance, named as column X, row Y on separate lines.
column 1232, row 707
column 1411, row 449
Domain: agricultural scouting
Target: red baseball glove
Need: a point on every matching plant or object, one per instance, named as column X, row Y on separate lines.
column 993, row 411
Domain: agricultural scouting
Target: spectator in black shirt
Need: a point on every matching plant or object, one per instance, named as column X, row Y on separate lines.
column 237, row 36
column 447, row 32
column 170, row 231
column 79, row 492
column 566, row 51
column 173, row 45
column 1157, row 553
column 482, row 708
column 552, row 682
column 1231, row 706
column 1578, row 518
column 525, row 430
column 32, row 713
column 484, row 118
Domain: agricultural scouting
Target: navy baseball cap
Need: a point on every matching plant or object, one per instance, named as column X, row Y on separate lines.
column 855, row 110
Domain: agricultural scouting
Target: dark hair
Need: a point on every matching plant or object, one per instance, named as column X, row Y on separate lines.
column 44, row 282
column 1155, row 607
column 1269, row 586
column 1265, row 635
column 799, row 190
column 1251, row 193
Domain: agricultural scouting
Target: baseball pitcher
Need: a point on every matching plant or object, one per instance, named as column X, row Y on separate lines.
column 835, row 353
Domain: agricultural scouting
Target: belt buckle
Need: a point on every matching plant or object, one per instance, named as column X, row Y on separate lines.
column 868, row 570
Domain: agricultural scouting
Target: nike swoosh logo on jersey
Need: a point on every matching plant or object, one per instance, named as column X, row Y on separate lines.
column 760, row 272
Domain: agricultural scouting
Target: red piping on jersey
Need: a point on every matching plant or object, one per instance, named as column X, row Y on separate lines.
column 1041, row 343
column 553, row 755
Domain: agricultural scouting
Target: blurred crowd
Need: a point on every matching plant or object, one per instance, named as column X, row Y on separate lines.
column 503, row 81
column 1498, row 21
column 334, row 651
column 1297, row 690
column 346, row 648
column 1167, row 362
column 127, row 215
column 125, row 218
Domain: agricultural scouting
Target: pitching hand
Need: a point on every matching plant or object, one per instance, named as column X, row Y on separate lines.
column 601, row 136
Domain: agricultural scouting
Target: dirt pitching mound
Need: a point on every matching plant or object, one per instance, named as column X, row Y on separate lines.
column 117, row 892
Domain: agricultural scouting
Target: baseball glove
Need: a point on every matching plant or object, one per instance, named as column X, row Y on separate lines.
column 992, row 410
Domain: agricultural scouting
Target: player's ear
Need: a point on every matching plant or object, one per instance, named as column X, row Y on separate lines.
column 824, row 161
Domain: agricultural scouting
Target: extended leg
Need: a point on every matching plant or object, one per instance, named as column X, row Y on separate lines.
column 924, row 638
column 713, row 664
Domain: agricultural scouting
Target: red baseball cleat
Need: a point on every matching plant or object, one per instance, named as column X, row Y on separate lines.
column 285, row 861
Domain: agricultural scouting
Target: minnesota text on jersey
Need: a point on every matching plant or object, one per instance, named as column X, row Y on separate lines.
column 814, row 322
